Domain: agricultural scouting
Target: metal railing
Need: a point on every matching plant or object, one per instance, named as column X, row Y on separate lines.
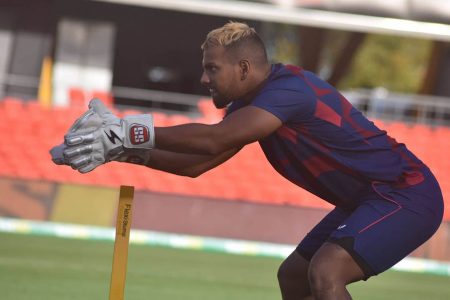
column 409, row 108
column 22, row 86
column 168, row 102
column 375, row 104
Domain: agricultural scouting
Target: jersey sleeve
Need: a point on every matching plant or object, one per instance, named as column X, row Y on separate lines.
column 287, row 105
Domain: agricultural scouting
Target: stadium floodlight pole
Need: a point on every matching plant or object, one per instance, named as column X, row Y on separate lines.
column 120, row 256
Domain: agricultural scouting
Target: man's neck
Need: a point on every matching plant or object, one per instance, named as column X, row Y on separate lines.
column 259, row 82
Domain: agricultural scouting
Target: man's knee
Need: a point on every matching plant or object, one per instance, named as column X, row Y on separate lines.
column 294, row 267
column 332, row 268
column 293, row 278
column 284, row 272
column 321, row 277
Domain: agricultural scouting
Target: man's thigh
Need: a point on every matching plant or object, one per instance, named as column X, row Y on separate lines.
column 380, row 232
column 383, row 230
column 321, row 232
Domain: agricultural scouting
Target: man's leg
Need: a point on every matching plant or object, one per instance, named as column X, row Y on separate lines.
column 293, row 278
column 381, row 231
column 293, row 272
column 330, row 270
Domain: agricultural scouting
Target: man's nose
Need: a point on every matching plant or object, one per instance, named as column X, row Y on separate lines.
column 204, row 80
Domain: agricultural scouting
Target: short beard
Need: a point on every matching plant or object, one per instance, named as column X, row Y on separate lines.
column 220, row 103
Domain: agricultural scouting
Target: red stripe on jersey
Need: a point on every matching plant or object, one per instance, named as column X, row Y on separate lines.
column 288, row 133
column 309, row 138
column 317, row 165
column 326, row 113
column 346, row 110
column 294, row 69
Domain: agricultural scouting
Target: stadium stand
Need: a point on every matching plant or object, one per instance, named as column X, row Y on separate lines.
column 28, row 132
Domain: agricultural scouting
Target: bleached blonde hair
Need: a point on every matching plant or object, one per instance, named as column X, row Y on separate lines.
column 241, row 38
column 228, row 34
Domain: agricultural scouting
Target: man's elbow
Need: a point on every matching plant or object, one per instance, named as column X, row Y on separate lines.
column 190, row 172
column 193, row 175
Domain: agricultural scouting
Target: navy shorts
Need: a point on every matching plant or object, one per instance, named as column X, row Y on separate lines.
column 385, row 227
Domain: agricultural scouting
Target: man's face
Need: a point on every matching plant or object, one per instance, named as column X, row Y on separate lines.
column 221, row 76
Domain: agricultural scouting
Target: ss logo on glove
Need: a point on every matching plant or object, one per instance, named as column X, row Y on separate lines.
column 139, row 134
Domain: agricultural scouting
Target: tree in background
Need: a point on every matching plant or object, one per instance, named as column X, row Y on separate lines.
column 395, row 63
column 282, row 43
column 392, row 62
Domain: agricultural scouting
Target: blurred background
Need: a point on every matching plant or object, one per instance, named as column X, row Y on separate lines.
column 390, row 58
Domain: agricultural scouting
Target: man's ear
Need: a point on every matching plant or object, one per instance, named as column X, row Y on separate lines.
column 245, row 68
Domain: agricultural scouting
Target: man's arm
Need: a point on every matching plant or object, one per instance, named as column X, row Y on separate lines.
column 99, row 136
column 191, row 165
column 244, row 126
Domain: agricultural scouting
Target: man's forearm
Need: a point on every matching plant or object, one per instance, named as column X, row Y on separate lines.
column 191, row 165
column 189, row 138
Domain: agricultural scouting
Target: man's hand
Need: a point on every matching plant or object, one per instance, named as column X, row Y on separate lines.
column 99, row 136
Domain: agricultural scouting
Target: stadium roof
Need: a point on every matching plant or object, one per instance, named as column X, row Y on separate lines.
column 323, row 15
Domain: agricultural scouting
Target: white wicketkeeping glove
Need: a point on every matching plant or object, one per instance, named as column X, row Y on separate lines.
column 99, row 136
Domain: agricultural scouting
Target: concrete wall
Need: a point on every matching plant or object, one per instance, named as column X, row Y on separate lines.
column 176, row 214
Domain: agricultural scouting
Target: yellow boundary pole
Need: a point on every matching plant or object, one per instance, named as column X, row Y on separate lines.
column 45, row 83
column 120, row 257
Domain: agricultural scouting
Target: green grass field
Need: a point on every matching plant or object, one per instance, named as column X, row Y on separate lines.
column 35, row 267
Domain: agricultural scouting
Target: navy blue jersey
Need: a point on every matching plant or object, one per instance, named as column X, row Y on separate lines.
column 325, row 145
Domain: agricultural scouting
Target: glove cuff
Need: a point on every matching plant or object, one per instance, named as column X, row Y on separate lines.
column 139, row 132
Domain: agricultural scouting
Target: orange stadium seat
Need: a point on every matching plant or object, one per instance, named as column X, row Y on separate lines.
column 105, row 97
column 210, row 113
column 129, row 112
column 178, row 119
column 33, row 107
column 160, row 119
column 11, row 108
column 246, row 177
column 77, row 97
column 6, row 169
column 80, row 97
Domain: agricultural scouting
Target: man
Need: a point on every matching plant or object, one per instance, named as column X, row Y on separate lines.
column 387, row 201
